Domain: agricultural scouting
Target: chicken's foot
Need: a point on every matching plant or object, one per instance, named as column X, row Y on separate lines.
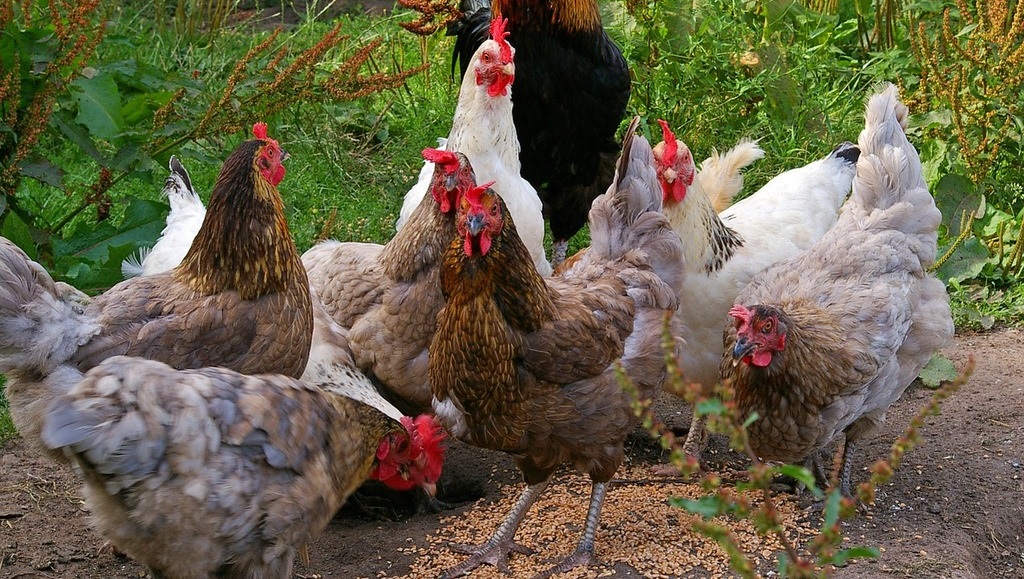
column 497, row 549
column 584, row 553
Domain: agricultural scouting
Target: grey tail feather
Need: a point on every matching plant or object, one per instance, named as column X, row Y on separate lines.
column 178, row 169
column 41, row 322
column 622, row 166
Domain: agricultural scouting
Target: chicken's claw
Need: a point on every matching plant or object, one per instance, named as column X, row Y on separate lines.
column 494, row 553
column 580, row 557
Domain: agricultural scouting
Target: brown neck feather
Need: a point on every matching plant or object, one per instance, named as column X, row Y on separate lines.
column 568, row 15
column 507, row 273
column 244, row 243
column 419, row 245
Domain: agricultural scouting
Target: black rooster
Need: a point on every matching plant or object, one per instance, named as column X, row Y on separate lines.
column 570, row 94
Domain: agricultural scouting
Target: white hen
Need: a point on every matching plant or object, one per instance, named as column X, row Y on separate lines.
column 183, row 222
column 482, row 129
column 724, row 251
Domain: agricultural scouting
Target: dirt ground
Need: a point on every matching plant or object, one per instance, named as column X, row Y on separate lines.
column 955, row 508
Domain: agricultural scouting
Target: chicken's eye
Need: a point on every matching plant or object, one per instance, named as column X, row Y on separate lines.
column 494, row 209
column 486, row 58
column 767, row 327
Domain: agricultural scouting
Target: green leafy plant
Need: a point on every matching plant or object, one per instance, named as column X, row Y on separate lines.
column 127, row 117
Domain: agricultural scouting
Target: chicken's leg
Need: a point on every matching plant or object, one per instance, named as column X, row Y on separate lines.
column 502, row 544
column 584, row 553
column 558, row 252
column 847, row 449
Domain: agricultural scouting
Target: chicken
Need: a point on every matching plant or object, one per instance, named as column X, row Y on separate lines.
column 483, row 131
column 724, row 251
column 720, row 174
column 208, row 472
column 822, row 344
column 240, row 299
column 388, row 296
column 720, row 178
column 183, row 223
column 570, row 94
column 530, row 366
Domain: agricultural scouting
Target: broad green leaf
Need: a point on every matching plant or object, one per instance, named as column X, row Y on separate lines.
column 706, row 507
column 18, row 232
column 955, row 194
column 967, row 262
column 143, row 222
column 938, row 370
column 141, row 107
column 92, row 256
column 841, row 557
column 99, row 105
column 44, row 171
column 77, row 135
column 801, row 475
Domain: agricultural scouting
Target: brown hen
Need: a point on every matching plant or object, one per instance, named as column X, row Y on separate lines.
column 240, row 299
column 388, row 296
column 529, row 365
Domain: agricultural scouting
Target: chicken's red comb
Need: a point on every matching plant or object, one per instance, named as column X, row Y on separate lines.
column 259, row 130
column 474, row 194
column 427, row 436
column 671, row 147
column 740, row 313
column 499, row 34
column 448, row 160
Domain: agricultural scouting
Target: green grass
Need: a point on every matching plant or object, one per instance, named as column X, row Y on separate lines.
column 7, row 430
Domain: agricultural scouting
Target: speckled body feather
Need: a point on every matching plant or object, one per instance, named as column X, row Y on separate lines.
column 209, row 472
column 388, row 298
column 862, row 314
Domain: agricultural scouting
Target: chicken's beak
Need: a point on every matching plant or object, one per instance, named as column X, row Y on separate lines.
column 741, row 349
column 284, row 155
column 475, row 223
column 509, row 69
column 450, row 182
